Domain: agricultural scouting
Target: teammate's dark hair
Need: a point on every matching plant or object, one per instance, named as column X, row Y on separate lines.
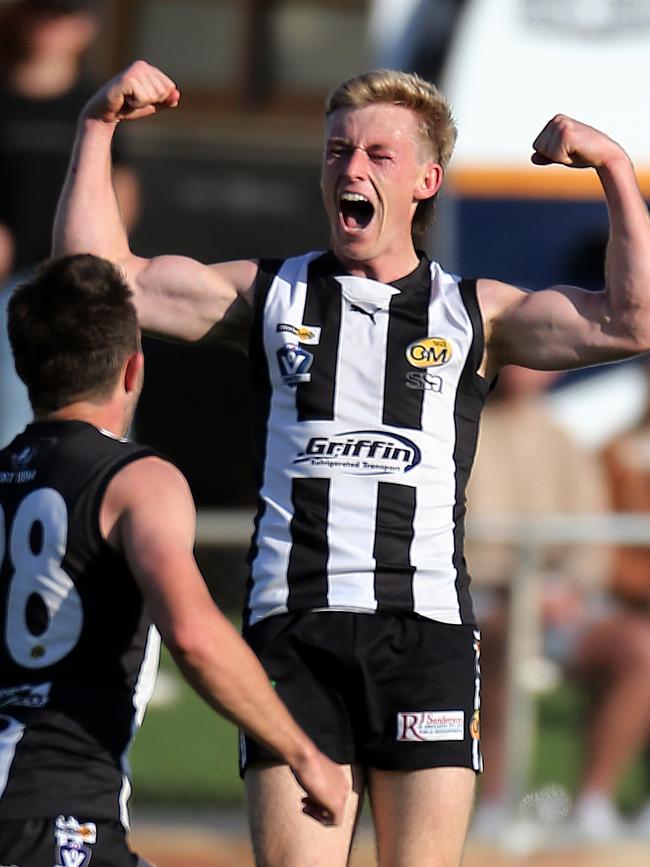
column 71, row 328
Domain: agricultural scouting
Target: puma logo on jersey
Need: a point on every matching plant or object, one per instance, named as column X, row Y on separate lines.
column 294, row 363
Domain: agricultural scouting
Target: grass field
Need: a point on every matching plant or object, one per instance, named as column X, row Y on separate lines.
column 186, row 755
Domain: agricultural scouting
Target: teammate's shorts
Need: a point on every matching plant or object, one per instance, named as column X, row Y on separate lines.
column 388, row 692
column 64, row 841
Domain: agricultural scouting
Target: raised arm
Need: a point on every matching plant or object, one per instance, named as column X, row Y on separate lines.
column 148, row 514
column 567, row 327
column 175, row 296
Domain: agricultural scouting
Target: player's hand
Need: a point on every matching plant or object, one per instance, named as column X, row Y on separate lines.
column 138, row 91
column 568, row 142
column 327, row 788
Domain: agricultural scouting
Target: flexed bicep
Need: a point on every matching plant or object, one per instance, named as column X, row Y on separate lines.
column 182, row 299
column 559, row 328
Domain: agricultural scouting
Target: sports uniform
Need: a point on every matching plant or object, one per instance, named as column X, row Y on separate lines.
column 367, row 405
column 78, row 654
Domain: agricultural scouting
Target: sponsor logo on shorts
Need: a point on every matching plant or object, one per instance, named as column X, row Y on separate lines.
column 294, row 363
column 73, row 841
column 25, row 696
column 308, row 334
column 362, row 453
column 429, row 352
column 422, row 380
column 431, row 725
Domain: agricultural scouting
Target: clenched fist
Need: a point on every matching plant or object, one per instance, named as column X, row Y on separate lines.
column 568, row 142
column 138, row 91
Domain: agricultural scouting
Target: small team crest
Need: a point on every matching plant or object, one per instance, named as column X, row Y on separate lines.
column 73, row 839
column 475, row 725
column 307, row 334
column 429, row 352
column 294, row 363
column 23, row 458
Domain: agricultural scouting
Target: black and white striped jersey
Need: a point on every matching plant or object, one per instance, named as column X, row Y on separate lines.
column 367, row 405
column 78, row 653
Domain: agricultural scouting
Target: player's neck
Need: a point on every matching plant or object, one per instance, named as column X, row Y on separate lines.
column 106, row 416
column 385, row 268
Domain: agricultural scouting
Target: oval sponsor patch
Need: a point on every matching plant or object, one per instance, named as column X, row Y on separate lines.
column 429, row 352
column 361, row 452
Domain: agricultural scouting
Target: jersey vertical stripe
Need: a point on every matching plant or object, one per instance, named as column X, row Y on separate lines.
column 307, row 567
column 351, row 530
column 315, row 399
column 470, row 398
column 393, row 538
column 433, row 550
column 261, row 392
column 408, row 323
column 141, row 695
column 284, row 304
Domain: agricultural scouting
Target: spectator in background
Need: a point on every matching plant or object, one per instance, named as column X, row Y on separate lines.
column 627, row 461
column 527, row 466
column 43, row 44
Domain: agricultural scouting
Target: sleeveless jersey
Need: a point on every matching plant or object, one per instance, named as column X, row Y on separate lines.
column 367, row 403
column 78, row 654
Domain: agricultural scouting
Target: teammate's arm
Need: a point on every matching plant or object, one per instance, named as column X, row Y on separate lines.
column 566, row 327
column 148, row 514
column 175, row 296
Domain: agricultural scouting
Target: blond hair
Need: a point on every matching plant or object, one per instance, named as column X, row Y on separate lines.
column 437, row 125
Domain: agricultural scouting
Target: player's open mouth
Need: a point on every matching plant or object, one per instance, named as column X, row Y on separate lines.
column 355, row 211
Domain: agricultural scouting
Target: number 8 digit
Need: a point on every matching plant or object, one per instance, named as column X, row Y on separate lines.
column 40, row 582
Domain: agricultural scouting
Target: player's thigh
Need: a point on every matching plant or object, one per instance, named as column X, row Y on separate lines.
column 44, row 842
column 282, row 835
column 421, row 817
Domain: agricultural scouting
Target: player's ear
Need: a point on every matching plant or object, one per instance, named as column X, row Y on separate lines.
column 429, row 182
column 133, row 372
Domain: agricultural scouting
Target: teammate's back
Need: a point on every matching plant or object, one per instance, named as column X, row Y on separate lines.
column 76, row 636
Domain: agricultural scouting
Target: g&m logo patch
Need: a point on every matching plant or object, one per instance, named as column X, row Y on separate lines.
column 362, row 453
column 294, row 364
column 308, row 334
column 431, row 725
column 429, row 352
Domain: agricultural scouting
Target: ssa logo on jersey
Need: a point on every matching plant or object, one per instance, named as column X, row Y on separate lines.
column 429, row 352
column 361, row 453
column 294, row 363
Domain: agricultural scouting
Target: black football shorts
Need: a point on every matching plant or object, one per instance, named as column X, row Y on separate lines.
column 65, row 841
column 392, row 692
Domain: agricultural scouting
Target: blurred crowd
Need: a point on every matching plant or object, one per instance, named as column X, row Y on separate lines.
column 43, row 86
column 594, row 603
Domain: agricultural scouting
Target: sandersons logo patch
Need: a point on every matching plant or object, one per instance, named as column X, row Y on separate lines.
column 428, row 352
column 431, row 725
column 309, row 334
column 362, row 453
